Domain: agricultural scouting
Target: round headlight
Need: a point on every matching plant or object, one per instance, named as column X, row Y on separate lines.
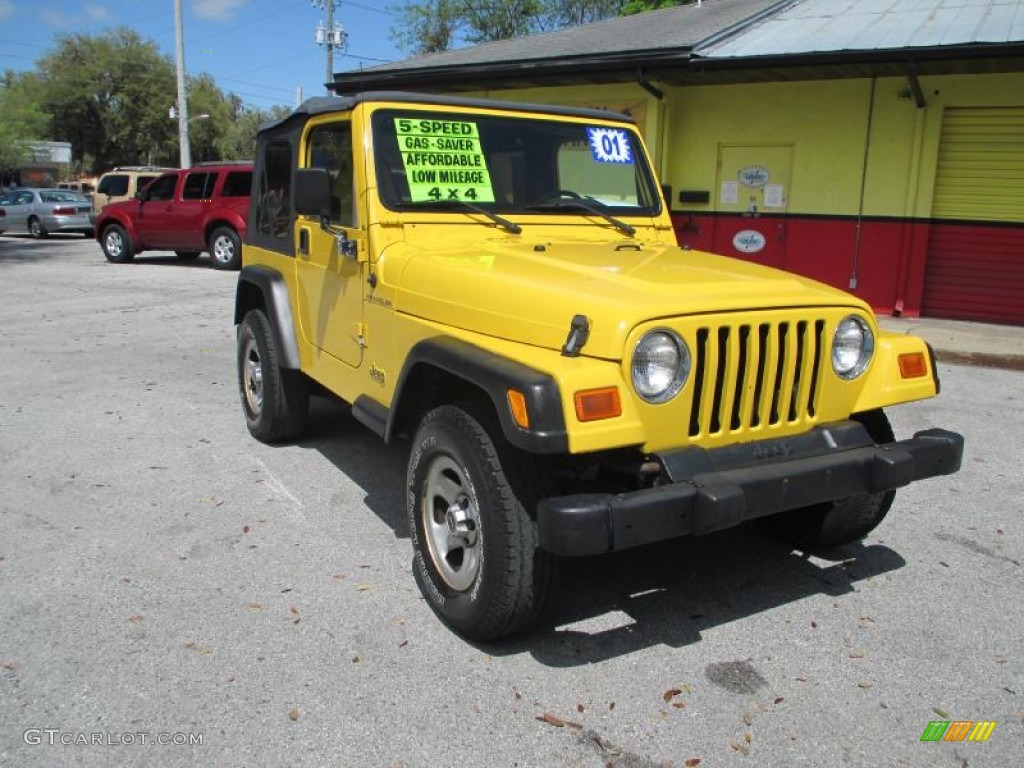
column 661, row 364
column 852, row 347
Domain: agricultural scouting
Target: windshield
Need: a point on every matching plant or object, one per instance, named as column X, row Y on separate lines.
column 62, row 196
column 510, row 164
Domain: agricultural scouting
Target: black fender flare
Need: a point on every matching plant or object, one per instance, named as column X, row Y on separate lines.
column 494, row 375
column 257, row 281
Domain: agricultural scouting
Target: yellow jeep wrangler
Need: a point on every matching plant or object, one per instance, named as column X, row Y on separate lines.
column 501, row 283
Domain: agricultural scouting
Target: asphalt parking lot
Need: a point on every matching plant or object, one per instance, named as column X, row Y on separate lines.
column 174, row 593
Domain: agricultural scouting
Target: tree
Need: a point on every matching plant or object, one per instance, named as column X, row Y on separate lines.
column 239, row 141
column 427, row 27
column 23, row 119
column 640, row 6
column 431, row 26
column 109, row 95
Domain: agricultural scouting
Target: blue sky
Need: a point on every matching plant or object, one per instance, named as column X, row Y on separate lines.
column 262, row 50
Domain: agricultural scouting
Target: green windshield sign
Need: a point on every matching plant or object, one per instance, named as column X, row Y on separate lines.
column 443, row 160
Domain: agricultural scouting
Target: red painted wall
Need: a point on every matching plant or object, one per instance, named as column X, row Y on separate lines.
column 975, row 272
column 889, row 270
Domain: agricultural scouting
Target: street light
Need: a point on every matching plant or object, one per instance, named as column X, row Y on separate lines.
column 182, row 111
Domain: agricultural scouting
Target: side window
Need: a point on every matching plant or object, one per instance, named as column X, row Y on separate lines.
column 24, row 198
column 115, row 185
column 330, row 148
column 237, row 184
column 274, row 211
column 198, row 186
column 141, row 182
column 162, row 188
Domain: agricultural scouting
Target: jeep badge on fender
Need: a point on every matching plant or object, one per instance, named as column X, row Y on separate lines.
column 501, row 283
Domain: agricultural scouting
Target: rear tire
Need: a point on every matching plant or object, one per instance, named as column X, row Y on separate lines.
column 116, row 244
column 275, row 400
column 470, row 504
column 845, row 521
column 225, row 248
column 35, row 228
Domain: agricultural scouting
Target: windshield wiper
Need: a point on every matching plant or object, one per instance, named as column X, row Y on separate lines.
column 501, row 221
column 579, row 204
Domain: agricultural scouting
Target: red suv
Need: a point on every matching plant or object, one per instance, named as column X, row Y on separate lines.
column 187, row 211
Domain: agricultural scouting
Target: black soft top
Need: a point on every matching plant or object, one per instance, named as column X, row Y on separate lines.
column 322, row 104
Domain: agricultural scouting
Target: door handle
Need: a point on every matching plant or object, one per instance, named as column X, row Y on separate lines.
column 304, row 242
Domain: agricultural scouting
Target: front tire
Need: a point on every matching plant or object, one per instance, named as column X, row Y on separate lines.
column 470, row 500
column 275, row 400
column 117, row 245
column 845, row 521
column 225, row 249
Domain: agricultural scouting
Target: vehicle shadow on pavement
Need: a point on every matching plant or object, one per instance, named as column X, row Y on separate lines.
column 377, row 468
column 169, row 260
column 18, row 249
column 613, row 605
column 669, row 593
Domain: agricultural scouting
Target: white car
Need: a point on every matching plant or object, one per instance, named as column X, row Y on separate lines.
column 40, row 212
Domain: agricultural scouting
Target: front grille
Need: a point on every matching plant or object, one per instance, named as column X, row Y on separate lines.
column 755, row 376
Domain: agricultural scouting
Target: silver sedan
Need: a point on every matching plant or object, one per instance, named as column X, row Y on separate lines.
column 42, row 211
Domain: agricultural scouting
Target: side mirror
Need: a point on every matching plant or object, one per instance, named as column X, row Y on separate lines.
column 313, row 193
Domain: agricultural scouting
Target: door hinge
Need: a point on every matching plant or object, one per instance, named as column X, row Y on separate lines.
column 360, row 334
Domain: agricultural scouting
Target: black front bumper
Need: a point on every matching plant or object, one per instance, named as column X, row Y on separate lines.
column 708, row 490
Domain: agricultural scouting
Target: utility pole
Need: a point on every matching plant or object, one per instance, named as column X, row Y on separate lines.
column 186, row 152
column 332, row 36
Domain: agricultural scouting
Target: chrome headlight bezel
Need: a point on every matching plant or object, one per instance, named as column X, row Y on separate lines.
column 853, row 334
column 671, row 377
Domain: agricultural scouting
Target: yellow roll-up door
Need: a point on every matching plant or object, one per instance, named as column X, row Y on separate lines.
column 975, row 267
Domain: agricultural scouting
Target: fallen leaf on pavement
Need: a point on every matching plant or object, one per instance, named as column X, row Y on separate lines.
column 743, row 749
column 865, row 685
column 692, row 762
column 557, row 721
column 293, row 714
column 940, row 712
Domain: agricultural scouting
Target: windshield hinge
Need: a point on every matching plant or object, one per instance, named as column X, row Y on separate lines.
column 579, row 332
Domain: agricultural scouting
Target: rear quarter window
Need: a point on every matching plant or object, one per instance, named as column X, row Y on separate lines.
column 237, row 184
column 114, row 185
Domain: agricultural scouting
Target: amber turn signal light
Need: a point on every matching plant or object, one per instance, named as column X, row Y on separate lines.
column 517, row 404
column 913, row 366
column 594, row 404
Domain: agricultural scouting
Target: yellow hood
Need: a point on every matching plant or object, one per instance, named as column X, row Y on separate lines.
column 529, row 292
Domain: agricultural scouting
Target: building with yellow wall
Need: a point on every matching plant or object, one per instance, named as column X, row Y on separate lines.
column 876, row 147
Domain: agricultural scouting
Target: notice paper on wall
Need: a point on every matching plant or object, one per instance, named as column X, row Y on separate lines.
column 730, row 192
column 773, row 196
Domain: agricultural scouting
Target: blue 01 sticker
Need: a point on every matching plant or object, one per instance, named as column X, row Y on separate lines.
column 609, row 145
